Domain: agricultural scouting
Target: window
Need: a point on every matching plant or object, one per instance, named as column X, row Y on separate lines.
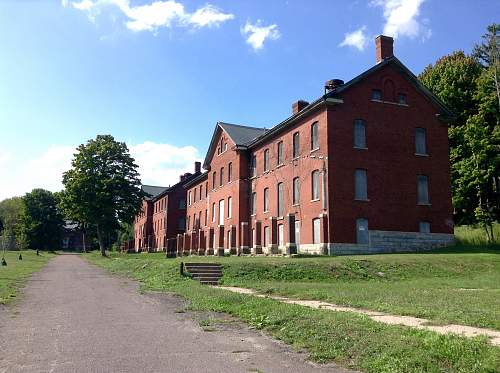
column 280, row 153
column 266, row 199
column 213, row 212
column 316, row 230
column 225, row 146
column 254, row 203
column 315, row 136
column 296, row 191
column 221, row 176
column 296, row 145
column 297, row 233
column 229, row 239
column 420, row 141
column 359, row 134
column 376, row 94
column 181, row 223
column 194, row 195
column 402, row 99
column 266, row 160
column 206, row 189
column 221, row 212
column 362, row 231
column 199, row 219
column 424, row 227
column 280, row 200
column 190, row 198
column 201, row 192
column 253, row 166
column 206, row 216
column 360, row 185
column 214, row 179
column 281, row 235
column 267, row 236
column 229, row 172
column 182, row 203
column 315, row 185
column 188, row 222
column 229, row 207
column 422, row 189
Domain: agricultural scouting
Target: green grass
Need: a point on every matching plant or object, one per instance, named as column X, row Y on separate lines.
column 14, row 275
column 349, row 339
column 471, row 235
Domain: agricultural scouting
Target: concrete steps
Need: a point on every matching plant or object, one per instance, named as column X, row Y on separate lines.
column 206, row 273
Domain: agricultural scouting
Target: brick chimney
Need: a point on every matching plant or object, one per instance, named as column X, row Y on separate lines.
column 298, row 106
column 383, row 47
column 197, row 167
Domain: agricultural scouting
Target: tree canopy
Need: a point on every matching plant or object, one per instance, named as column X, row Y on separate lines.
column 102, row 188
column 42, row 223
column 468, row 84
column 11, row 212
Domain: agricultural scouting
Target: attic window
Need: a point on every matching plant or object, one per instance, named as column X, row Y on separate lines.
column 376, row 94
column 402, row 99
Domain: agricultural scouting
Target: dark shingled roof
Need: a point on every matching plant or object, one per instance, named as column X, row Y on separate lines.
column 242, row 135
column 152, row 191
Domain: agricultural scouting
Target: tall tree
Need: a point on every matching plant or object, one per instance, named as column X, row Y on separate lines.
column 102, row 188
column 11, row 211
column 469, row 86
column 42, row 221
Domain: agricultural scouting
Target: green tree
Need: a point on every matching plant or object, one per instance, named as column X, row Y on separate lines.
column 469, row 86
column 11, row 211
column 102, row 188
column 42, row 220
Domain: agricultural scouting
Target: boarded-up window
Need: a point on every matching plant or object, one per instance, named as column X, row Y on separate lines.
column 315, row 136
column 280, row 152
column 280, row 199
column 221, row 212
column 360, row 185
column 420, row 141
column 229, row 207
column 213, row 212
column 316, row 223
column 253, row 203
column 267, row 236
column 362, row 231
column 266, row 199
column 296, row 191
column 424, row 227
column 315, row 185
column 422, row 189
column 359, row 133
column 281, row 235
column 296, row 145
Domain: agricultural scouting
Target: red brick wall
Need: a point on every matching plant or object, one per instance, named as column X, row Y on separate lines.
column 390, row 160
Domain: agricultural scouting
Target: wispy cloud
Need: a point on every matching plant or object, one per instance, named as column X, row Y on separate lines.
column 159, row 164
column 256, row 34
column 155, row 15
column 356, row 39
column 402, row 18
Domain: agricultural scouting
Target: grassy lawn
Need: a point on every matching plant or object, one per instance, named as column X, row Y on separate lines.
column 349, row 339
column 14, row 275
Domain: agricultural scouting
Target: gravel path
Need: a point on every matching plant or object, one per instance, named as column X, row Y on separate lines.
column 74, row 317
column 414, row 322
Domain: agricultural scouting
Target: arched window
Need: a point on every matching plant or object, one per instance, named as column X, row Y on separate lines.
column 280, row 153
column 315, row 136
column 229, row 172
column 266, row 160
column 221, row 176
column 266, row 199
column 214, row 179
column 280, row 200
column 315, row 185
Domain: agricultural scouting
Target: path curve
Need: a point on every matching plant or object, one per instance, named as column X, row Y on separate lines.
column 74, row 317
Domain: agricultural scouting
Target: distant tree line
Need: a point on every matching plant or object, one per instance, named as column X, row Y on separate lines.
column 469, row 85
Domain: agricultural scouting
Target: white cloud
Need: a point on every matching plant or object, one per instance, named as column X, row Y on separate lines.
column 159, row 164
column 256, row 34
column 402, row 18
column 356, row 39
column 157, row 14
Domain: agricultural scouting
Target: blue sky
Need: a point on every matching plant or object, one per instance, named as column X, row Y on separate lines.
column 160, row 74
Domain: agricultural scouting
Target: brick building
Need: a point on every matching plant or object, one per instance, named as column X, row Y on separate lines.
column 163, row 215
column 364, row 168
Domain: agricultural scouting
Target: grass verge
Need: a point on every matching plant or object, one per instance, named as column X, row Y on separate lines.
column 349, row 339
column 14, row 275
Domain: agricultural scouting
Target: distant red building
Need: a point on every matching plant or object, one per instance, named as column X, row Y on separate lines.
column 362, row 169
column 163, row 215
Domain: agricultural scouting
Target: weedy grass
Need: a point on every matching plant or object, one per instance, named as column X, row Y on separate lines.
column 14, row 275
column 349, row 339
